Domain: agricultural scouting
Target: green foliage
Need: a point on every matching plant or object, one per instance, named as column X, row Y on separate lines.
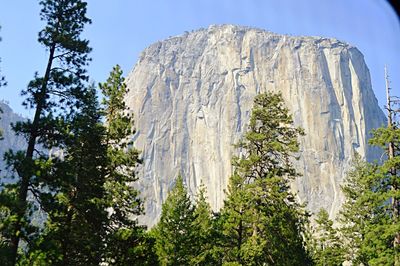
column 369, row 222
column 368, row 217
column 203, row 231
column 356, row 210
column 262, row 222
column 55, row 97
column 84, row 187
column 173, row 233
column 91, row 201
column 76, row 216
column 126, row 241
column 269, row 142
column 7, row 218
column 327, row 246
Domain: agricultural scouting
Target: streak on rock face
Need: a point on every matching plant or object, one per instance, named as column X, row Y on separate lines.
column 192, row 96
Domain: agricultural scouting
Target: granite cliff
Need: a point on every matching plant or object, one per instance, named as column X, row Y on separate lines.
column 10, row 140
column 192, row 96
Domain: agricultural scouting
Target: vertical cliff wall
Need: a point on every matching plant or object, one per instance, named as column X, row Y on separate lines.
column 192, row 96
column 10, row 140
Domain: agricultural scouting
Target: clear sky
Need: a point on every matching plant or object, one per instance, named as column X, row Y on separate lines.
column 121, row 29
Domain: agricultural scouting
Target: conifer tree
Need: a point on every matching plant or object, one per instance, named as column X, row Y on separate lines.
column 383, row 237
column 357, row 209
column 126, row 241
column 327, row 246
column 90, row 210
column 202, row 230
column 369, row 220
column 370, row 215
column 262, row 221
column 76, row 216
column 59, row 90
column 173, row 233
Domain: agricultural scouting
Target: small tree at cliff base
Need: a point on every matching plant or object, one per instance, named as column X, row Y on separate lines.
column 326, row 243
column 370, row 223
column 203, row 231
column 174, row 231
column 371, row 212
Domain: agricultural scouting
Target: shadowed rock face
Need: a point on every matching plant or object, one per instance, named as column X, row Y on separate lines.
column 192, row 96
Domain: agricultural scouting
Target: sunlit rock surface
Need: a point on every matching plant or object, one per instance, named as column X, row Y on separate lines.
column 9, row 141
column 192, row 96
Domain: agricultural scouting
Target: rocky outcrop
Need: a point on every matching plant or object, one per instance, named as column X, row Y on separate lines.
column 10, row 140
column 192, row 96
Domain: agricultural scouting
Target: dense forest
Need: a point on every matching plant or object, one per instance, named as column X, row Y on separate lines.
column 71, row 199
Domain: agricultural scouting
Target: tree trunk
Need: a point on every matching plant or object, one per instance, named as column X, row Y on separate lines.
column 25, row 173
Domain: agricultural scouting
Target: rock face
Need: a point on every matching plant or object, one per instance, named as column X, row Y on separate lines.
column 192, row 96
column 10, row 141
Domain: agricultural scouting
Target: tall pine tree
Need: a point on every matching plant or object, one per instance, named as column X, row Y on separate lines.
column 91, row 208
column 262, row 221
column 59, row 90
column 75, row 227
column 126, row 240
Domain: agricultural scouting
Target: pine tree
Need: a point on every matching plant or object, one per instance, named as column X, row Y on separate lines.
column 262, row 221
column 327, row 245
column 74, row 229
column 126, row 242
column 90, row 209
column 357, row 208
column 368, row 215
column 173, row 233
column 237, row 218
column 57, row 91
column 202, row 230
column 383, row 236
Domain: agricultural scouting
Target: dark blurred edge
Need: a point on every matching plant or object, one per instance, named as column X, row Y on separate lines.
column 396, row 6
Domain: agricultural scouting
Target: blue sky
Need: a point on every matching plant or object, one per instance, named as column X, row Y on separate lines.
column 123, row 28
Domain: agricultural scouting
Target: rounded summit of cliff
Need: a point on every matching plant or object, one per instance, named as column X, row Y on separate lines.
column 238, row 31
